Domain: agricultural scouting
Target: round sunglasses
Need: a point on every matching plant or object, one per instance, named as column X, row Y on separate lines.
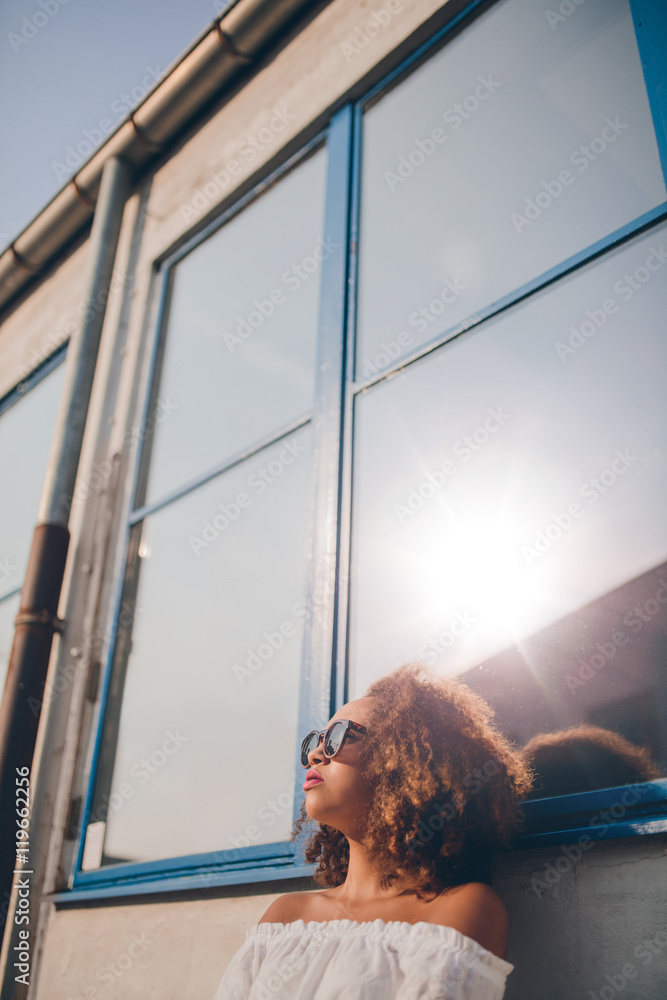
column 333, row 739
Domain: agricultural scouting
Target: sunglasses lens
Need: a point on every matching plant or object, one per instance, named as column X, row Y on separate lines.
column 333, row 741
column 334, row 738
column 307, row 747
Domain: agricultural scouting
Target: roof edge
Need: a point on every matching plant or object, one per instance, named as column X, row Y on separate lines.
column 233, row 42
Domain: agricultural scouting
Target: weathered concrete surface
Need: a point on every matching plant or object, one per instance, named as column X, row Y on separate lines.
column 590, row 922
column 598, row 921
column 177, row 950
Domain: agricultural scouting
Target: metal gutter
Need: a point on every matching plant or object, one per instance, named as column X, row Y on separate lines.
column 234, row 41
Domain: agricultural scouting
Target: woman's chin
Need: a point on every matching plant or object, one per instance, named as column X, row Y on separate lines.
column 314, row 813
column 320, row 815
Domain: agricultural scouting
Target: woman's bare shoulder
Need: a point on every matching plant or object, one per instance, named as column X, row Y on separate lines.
column 285, row 909
column 476, row 910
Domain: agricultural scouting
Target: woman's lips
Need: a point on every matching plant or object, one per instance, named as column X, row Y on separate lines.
column 312, row 779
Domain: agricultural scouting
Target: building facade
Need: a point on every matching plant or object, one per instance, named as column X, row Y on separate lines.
column 427, row 240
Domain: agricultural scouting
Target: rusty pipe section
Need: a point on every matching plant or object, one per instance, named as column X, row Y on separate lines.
column 232, row 43
column 24, row 688
column 37, row 620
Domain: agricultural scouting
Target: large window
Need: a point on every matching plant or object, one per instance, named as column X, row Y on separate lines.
column 520, row 144
column 503, row 536
column 27, row 416
column 218, row 543
column 465, row 435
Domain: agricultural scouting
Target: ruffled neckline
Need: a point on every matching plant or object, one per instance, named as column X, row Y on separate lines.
column 391, row 928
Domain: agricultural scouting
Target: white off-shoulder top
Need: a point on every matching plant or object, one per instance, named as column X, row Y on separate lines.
column 376, row 960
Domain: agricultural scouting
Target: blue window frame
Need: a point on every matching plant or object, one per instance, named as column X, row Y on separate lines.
column 342, row 392
column 244, row 860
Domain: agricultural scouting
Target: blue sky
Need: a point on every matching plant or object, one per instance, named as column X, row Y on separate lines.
column 69, row 71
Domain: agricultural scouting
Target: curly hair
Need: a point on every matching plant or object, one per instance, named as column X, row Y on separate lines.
column 585, row 757
column 445, row 786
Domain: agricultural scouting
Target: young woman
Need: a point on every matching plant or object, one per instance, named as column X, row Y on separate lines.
column 414, row 791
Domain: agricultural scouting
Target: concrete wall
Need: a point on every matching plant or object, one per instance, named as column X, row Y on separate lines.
column 586, row 925
column 177, row 949
column 591, row 921
column 602, row 920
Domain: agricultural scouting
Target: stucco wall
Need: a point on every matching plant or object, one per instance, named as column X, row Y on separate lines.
column 602, row 920
column 566, row 940
column 154, row 950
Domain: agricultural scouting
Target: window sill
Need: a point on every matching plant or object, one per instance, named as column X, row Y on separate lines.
column 624, row 811
column 584, row 818
column 150, row 885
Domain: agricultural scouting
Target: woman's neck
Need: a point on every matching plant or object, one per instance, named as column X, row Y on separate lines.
column 362, row 883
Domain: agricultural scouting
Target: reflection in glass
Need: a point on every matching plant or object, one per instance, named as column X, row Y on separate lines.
column 9, row 608
column 26, row 429
column 513, row 148
column 585, row 757
column 240, row 344
column 601, row 666
column 508, row 508
column 216, row 656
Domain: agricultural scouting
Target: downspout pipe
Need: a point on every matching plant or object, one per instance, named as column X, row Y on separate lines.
column 37, row 619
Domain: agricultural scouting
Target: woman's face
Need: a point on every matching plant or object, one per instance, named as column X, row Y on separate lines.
column 340, row 800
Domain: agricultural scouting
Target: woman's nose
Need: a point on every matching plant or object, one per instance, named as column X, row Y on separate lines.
column 315, row 756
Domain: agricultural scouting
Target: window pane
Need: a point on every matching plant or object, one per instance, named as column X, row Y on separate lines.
column 240, row 351
column 26, row 429
column 519, row 144
column 9, row 608
column 215, row 663
column 511, row 485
